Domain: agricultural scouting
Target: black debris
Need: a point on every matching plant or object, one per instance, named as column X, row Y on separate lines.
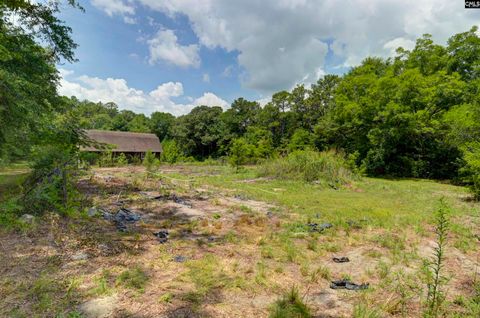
column 346, row 284
column 180, row 200
column 211, row 239
column 342, row 259
column 315, row 227
column 122, row 217
column 179, row 259
column 269, row 214
column 162, row 236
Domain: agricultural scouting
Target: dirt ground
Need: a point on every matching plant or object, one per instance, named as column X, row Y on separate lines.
column 226, row 256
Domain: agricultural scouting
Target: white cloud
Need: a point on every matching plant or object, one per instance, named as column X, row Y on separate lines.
column 288, row 44
column 206, row 78
column 210, row 99
column 117, row 90
column 164, row 46
column 115, row 7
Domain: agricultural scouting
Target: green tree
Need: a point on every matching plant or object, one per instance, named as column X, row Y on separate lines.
column 161, row 124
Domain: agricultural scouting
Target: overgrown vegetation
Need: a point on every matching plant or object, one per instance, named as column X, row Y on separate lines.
column 310, row 166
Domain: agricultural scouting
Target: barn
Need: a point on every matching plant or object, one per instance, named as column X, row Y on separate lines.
column 129, row 143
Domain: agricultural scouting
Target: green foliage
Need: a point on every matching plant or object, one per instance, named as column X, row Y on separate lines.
column 289, row 306
column 330, row 167
column 134, row 278
column 149, row 161
column 172, row 152
column 241, row 153
column 121, row 160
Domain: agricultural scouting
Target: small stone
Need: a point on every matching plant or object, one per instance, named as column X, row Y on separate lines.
column 179, row 259
column 27, row 218
column 80, row 256
column 92, row 212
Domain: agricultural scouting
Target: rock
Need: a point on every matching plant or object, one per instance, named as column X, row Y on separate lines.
column 92, row 212
column 80, row 256
column 179, row 259
column 27, row 218
column 99, row 307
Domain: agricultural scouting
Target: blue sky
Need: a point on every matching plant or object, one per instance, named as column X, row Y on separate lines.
column 172, row 55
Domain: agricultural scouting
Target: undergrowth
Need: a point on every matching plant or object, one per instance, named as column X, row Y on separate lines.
column 330, row 167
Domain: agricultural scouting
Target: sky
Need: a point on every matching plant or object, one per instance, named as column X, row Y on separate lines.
column 173, row 55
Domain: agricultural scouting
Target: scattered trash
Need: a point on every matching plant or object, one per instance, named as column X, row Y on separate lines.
column 269, row 214
column 341, row 259
column 121, row 217
column 346, row 284
column 180, row 200
column 179, row 259
column 162, row 236
column 211, row 239
column 315, row 227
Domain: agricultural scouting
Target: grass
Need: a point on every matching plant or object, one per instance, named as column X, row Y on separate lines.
column 134, row 278
column 291, row 305
column 382, row 203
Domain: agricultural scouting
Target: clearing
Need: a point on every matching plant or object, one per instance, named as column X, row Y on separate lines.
column 235, row 244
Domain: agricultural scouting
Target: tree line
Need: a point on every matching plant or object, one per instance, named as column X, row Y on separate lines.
column 416, row 114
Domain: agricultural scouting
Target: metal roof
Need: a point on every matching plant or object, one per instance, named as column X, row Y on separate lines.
column 124, row 141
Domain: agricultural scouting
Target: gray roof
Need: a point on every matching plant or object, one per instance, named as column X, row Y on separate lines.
column 124, row 141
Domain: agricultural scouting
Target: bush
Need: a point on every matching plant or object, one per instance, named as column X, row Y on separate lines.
column 149, row 161
column 471, row 170
column 172, row 152
column 50, row 186
column 121, row 160
column 241, row 153
column 290, row 305
column 309, row 166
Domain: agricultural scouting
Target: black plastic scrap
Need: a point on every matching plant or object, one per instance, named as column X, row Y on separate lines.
column 342, row 259
column 315, row 227
column 162, row 236
column 346, row 284
column 121, row 217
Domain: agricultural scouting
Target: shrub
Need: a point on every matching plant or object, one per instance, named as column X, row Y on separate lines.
column 50, row 185
column 149, row 161
column 121, row 160
column 310, row 166
column 241, row 153
column 172, row 152
column 290, row 305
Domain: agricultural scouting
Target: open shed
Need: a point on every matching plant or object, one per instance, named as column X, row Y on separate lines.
column 129, row 143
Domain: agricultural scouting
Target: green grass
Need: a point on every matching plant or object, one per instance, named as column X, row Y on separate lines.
column 291, row 305
column 134, row 278
column 385, row 203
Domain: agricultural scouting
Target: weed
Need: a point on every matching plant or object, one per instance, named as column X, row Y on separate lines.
column 363, row 311
column 435, row 296
column 166, row 298
column 102, row 284
column 320, row 272
column 134, row 278
column 290, row 305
